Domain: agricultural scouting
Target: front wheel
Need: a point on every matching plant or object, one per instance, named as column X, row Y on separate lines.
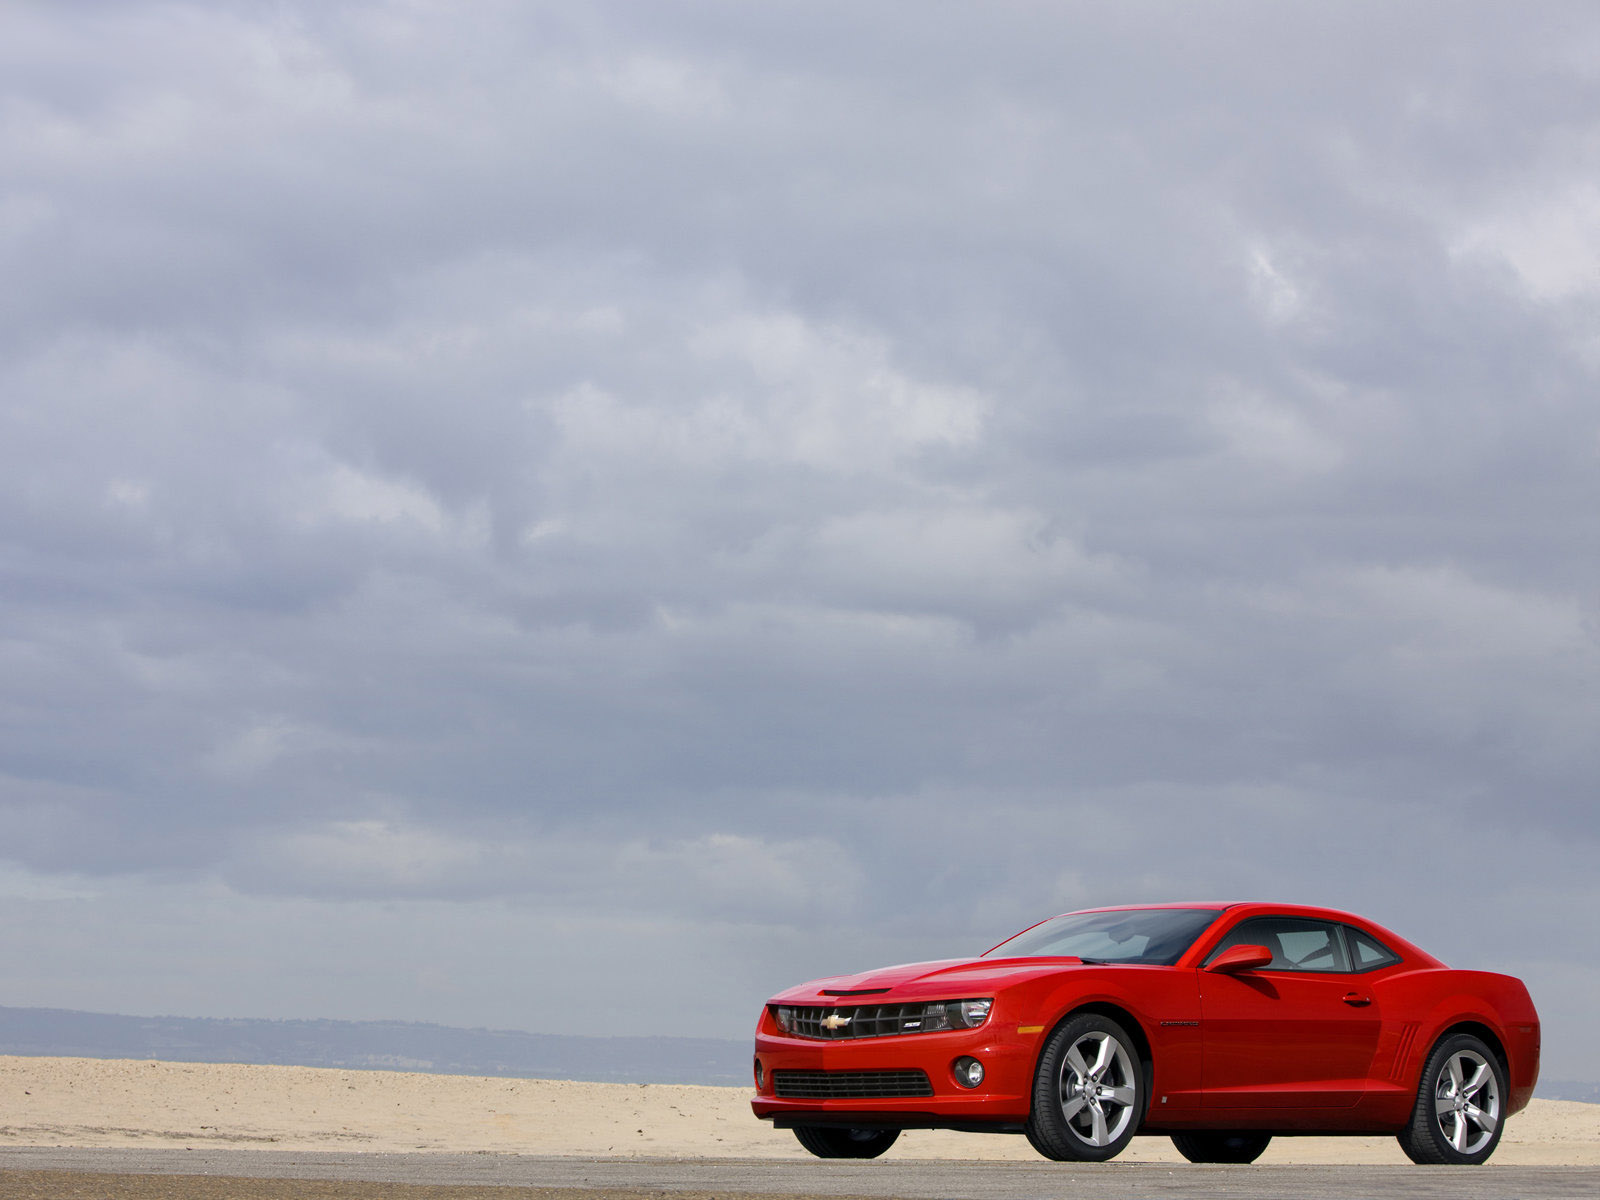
column 1460, row 1107
column 1088, row 1092
column 833, row 1141
column 1221, row 1146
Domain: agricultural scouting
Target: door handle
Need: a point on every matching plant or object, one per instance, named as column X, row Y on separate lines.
column 1357, row 1000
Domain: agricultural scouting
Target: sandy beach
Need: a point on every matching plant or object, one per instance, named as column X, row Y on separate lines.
column 81, row 1102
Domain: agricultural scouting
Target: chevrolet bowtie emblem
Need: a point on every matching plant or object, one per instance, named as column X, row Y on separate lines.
column 833, row 1022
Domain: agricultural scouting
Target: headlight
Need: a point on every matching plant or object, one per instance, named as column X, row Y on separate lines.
column 785, row 1018
column 949, row 1014
column 974, row 1012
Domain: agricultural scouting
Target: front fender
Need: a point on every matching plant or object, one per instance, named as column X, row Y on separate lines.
column 1163, row 1006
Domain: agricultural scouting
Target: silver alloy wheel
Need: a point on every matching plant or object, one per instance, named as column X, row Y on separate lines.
column 1466, row 1101
column 1098, row 1089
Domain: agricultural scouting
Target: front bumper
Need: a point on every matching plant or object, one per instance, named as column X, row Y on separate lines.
column 1001, row 1100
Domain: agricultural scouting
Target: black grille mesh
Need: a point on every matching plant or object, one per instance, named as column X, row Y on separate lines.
column 867, row 1020
column 843, row 1085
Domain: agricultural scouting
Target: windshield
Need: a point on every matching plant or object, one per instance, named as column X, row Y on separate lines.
column 1150, row 936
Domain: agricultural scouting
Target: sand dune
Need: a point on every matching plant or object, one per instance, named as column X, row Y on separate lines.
column 97, row 1102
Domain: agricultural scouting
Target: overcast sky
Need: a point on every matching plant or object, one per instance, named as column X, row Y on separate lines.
column 576, row 517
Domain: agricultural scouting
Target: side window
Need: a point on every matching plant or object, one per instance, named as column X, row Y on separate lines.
column 1296, row 944
column 1367, row 953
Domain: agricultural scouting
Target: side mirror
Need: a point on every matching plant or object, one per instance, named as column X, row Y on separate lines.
column 1240, row 958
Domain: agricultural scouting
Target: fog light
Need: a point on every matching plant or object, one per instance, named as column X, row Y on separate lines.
column 760, row 1075
column 968, row 1072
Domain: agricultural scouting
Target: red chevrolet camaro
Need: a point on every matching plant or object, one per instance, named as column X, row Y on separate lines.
column 1219, row 1025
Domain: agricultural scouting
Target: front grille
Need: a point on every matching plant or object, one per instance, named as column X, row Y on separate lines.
column 844, row 1085
column 867, row 1020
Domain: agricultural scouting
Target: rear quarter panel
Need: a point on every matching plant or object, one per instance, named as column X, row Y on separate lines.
column 1421, row 1007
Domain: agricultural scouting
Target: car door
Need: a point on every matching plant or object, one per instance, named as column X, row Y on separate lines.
column 1299, row 1032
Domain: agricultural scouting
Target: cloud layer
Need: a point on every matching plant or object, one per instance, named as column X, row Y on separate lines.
column 733, row 491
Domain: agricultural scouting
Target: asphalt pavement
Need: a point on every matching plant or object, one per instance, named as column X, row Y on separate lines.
column 907, row 1179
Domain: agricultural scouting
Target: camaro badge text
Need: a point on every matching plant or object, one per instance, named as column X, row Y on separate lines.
column 1180, row 1022
column 834, row 1022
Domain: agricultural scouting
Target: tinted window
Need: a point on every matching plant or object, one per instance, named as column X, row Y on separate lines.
column 1151, row 936
column 1296, row 944
column 1367, row 952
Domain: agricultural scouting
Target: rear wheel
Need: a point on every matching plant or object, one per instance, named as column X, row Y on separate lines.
column 835, row 1141
column 1221, row 1146
column 1088, row 1092
column 1460, row 1107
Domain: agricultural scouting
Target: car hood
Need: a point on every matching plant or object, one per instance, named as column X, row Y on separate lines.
column 947, row 979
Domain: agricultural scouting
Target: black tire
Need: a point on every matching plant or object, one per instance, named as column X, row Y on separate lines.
column 1033, row 1140
column 1083, row 1110
column 1460, row 1111
column 839, row 1141
column 1221, row 1145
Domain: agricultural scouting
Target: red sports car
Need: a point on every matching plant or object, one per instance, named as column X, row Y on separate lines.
column 1217, row 1024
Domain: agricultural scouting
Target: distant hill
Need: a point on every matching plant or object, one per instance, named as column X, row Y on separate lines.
column 1567, row 1089
column 375, row 1045
column 408, row 1046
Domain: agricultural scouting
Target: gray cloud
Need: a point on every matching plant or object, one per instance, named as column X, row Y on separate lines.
column 617, row 485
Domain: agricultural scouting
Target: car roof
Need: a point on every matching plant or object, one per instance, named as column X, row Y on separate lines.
column 1294, row 910
column 1216, row 904
column 1408, row 950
